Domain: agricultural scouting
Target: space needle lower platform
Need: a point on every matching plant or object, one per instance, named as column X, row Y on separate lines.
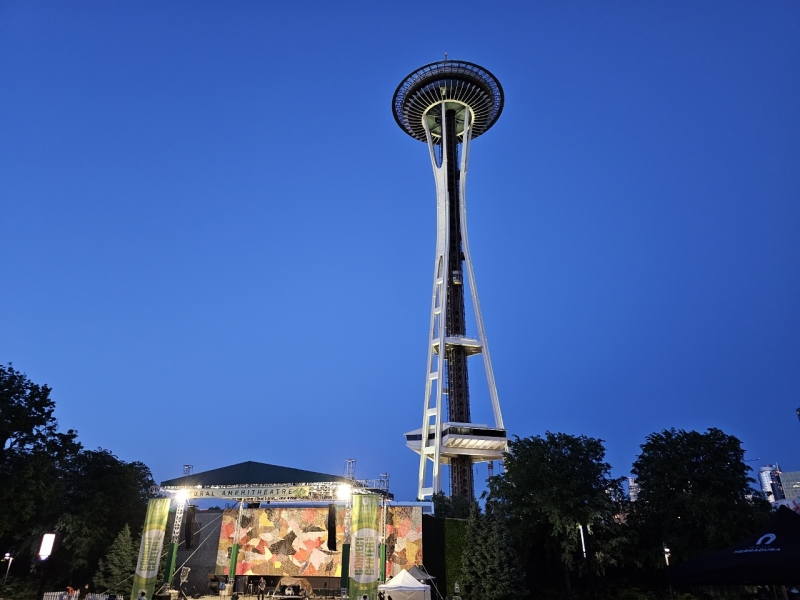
column 446, row 105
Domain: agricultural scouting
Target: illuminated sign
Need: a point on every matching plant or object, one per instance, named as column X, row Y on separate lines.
column 262, row 493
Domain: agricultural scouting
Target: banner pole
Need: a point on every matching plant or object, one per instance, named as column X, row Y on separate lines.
column 384, row 510
column 235, row 547
column 172, row 557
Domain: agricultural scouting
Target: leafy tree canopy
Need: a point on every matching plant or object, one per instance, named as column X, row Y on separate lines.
column 553, row 484
column 447, row 507
column 33, row 455
column 48, row 482
column 103, row 494
column 694, row 493
column 115, row 571
column 491, row 569
column 26, row 416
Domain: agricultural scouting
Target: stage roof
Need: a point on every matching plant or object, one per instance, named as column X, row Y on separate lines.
column 252, row 474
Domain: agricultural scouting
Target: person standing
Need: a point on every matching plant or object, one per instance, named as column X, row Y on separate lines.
column 262, row 586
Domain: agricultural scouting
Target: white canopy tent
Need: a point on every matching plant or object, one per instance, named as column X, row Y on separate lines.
column 403, row 586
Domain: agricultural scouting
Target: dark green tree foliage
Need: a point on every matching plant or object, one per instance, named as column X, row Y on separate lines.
column 49, row 483
column 444, row 541
column 115, row 571
column 104, row 494
column 447, row 507
column 549, row 487
column 33, row 456
column 473, row 558
column 491, row 569
column 694, row 496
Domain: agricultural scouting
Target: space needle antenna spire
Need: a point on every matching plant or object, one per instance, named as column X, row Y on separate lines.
column 446, row 105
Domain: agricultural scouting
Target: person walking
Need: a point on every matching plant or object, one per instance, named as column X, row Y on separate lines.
column 262, row 587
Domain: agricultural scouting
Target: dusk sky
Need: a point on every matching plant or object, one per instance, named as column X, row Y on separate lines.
column 216, row 245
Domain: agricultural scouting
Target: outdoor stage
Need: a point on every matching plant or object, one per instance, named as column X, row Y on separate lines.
column 292, row 524
column 323, row 593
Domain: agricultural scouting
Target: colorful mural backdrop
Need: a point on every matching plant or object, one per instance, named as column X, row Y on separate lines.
column 281, row 541
column 293, row 541
column 403, row 538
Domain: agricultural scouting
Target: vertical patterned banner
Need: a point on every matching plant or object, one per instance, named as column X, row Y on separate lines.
column 364, row 560
column 144, row 578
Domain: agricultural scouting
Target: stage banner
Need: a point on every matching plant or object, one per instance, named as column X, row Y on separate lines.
column 144, row 578
column 403, row 538
column 364, row 557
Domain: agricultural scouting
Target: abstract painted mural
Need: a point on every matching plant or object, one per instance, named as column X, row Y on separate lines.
column 293, row 541
column 403, row 538
column 281, row 541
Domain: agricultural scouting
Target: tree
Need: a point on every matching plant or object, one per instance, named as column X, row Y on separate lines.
column 49, row 483
column 33, row 458
column 447, row 507
column 26, row 417
column 491, row 569
column 694, row 494
column 115, row 571
column 103, row 495
column 550, row 487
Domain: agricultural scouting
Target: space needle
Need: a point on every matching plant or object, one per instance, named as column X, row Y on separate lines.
column 446, row 105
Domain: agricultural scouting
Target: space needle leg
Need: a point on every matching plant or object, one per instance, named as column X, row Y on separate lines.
column 430, row 449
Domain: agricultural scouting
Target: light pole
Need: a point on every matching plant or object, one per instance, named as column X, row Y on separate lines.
column 9, row 559
column 666, row 558
column 47, row 546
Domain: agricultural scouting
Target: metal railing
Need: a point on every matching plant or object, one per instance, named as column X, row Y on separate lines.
column 76, row 595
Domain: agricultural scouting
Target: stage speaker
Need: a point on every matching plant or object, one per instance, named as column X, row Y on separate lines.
column 188, row 525
column 332, row 527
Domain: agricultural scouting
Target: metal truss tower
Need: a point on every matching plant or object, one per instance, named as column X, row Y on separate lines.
column 447, row 104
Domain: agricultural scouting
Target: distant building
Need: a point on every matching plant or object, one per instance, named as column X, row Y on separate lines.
column 769, row 476
column 633, row 489
column 790, row 483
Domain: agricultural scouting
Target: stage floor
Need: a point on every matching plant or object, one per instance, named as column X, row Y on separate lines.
column 318, row 594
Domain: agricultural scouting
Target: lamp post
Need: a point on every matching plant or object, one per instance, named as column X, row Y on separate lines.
column 666, row 559
column 47, row 545
column 9, row 559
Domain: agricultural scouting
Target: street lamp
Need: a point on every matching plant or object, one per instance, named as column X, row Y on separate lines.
column 8, row 558
column 666, row 558
column 47, row 546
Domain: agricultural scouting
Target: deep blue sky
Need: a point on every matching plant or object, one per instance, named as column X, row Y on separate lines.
column 216, row 244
